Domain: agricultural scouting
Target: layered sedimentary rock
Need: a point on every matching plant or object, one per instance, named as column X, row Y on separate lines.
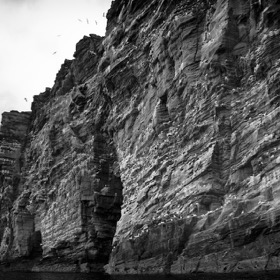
column 13, row 132
column 70, row 191
column 198, row 140
column 157, row 148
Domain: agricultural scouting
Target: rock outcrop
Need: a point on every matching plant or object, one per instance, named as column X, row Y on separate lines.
column 13, row 133
column 157, row 148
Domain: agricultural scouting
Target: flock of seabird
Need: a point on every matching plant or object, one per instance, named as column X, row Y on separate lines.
column 80, row 20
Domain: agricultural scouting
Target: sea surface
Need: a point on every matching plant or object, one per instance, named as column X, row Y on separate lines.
column 81, row 276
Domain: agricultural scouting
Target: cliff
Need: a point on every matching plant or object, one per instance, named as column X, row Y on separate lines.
column 157, row 148
column 13, row 132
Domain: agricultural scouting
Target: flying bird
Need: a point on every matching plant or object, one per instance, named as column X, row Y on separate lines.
column 87, row 21
column 25, row 99
column 54, row 53
column 96, row 22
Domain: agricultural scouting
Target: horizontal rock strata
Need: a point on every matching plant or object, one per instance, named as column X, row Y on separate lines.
column 157, row 148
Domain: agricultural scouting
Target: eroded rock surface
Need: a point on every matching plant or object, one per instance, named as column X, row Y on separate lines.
column 198, row 146
column 14, row 229
column 168, row 125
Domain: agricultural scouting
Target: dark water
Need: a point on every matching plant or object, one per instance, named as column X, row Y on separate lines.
column 81, row 276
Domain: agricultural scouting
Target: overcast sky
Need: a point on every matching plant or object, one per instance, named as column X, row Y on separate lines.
column 31, row 31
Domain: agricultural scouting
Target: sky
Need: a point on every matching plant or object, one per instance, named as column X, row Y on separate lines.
column 36, row 37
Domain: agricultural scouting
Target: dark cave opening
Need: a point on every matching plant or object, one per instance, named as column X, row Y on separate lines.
column 101, row 202
column 36, row 241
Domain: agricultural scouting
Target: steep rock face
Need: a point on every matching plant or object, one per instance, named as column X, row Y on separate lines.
column 69, row 196
column 196, row 135
column 13, row 228
column 167, row 125
column 73, row 179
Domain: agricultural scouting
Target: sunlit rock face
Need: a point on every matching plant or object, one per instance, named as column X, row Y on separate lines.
column 73, row 174
column 15, row 228
column 67, row 201
column 156, row 150
column 195, row 109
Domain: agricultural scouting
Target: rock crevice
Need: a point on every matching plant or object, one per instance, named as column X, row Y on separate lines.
column 157, row 148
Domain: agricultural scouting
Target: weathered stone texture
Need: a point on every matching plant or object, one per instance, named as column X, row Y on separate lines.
column 76, row 190
column 15, row 228
column 70, row 192
column 168, row 125
column 198, row 150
